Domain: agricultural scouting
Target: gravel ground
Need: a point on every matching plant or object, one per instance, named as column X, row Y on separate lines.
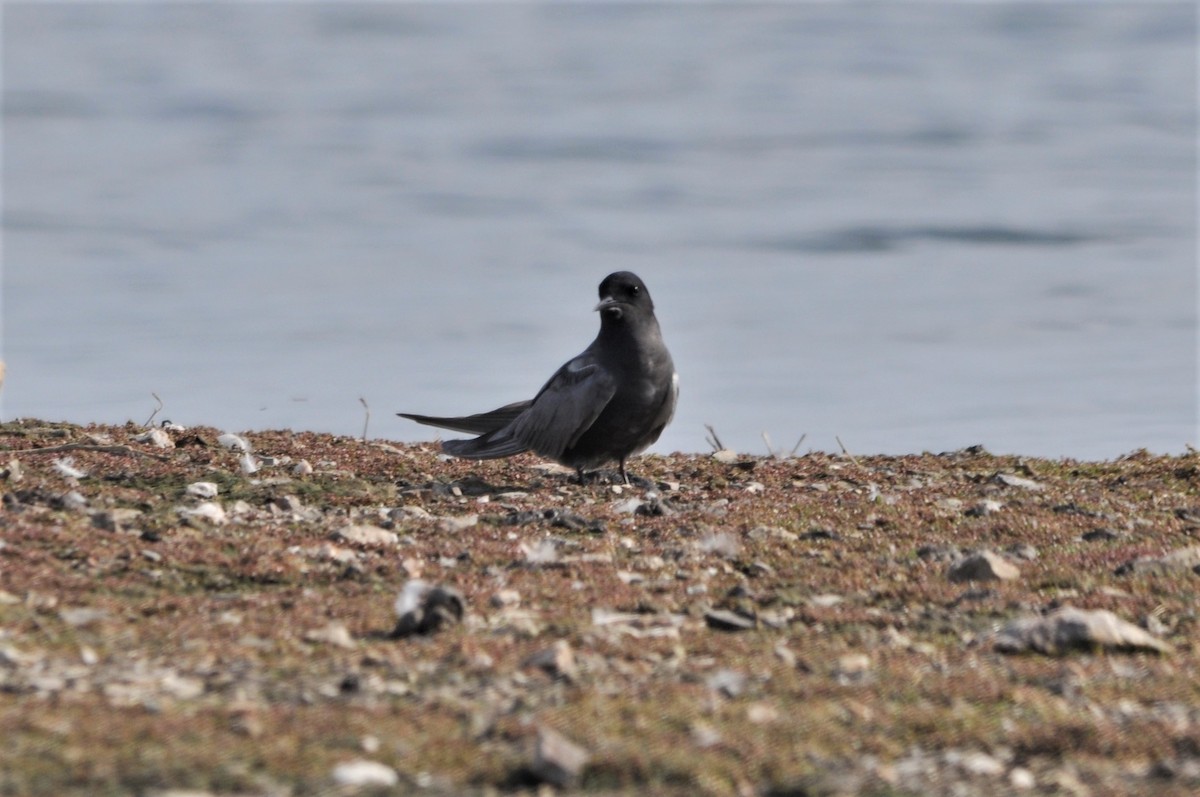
column 282, row 613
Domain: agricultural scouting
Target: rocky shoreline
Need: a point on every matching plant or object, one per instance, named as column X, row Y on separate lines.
column 184, row 611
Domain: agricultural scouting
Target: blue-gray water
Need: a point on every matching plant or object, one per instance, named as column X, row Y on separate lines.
column 910, row 226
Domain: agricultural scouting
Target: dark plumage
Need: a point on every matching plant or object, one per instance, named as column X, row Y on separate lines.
column 608, row 403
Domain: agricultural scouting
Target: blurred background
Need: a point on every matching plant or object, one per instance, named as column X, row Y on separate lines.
column 913, row 226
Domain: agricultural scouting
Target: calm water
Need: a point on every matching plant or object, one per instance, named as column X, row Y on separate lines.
column 911, row 226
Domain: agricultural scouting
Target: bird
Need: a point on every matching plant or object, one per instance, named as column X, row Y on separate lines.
column 608, row 403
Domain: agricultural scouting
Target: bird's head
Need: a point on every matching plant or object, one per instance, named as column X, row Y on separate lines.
column 622, row 292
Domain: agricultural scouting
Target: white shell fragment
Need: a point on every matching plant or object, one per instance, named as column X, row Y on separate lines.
column 202, row 489
column 233, row 441
column 66, row 467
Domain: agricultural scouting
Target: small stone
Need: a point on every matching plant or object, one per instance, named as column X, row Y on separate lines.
column 978, row 763
column 725, row 620
column 772, row 532
column 557, row 760
column 985, row 507
column 115, row 520
column 1100, row 535
column 12, row 471
column 209, row 511
column 454, row 525
column 704, row 735
column 302, row 468
column 1021, row 778
column 762, row 713
column 82, row 616
column 729, row 683
column 364, row 774
column 367, row 535
column 983, row 566
column 721, row 543
column 725, row 456
column 1069, row 629
column 1178, row 561
column 424, row 608
column 852, row 668
column 558, row 660
column 402, row 513
column 333, row 634
column 202, row 489
column 825, row 601
column 74, row 500
column 506, row 598
column 628, row 506
column 1008, row 480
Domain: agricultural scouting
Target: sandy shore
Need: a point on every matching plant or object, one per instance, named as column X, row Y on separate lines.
column 182, row 615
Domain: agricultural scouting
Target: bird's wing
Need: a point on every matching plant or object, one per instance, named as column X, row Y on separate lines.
column 481, row 423
column 565, row 408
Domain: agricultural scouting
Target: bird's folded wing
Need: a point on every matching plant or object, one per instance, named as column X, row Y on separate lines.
column 564, row 409
column 482, row 423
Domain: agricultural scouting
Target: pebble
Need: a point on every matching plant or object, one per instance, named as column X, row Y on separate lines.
column 556, row 759
column 983, row 566
column 454, row 525
column 424, row 608
column 852, row 668
column 730, row 683
column 1008, row 480
column 209, row 511
column 984, row 507
column 506, row 598
column 115, row 520
column 302, row 468
column 82, row 616
column 74, row 500
column 333, row 634
column 558, row 660
column 202, row 489
column 1070, row 629
column 363, row 774
column 1178, row 561
column 725, row 620
column 1100, row 535
column 367, row 535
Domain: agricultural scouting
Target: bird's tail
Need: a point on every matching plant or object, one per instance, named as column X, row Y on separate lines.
column 489, row 446
column 483, row 423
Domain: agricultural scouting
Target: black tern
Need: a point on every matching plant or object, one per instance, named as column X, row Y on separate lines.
column 609, row 403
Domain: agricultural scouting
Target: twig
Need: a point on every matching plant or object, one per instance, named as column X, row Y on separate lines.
column 770, row 450
column 119, row 450
column 845, row 452
column 157, row 410
column 366, row 420
column 796, row 447
column 712, row 438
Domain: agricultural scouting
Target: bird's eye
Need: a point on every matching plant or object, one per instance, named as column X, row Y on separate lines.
column 634, row 289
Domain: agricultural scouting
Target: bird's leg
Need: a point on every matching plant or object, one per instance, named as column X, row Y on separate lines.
column 579, row 472
column 624, row 475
